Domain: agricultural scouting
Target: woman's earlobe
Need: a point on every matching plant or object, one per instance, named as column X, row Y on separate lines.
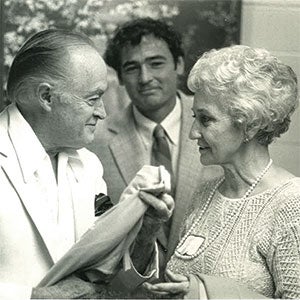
column 246, row 140
column 251, row 131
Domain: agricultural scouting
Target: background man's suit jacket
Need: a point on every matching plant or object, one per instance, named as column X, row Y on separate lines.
column 121, row 152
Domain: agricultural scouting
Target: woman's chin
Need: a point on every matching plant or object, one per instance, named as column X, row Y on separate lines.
column 207, row 160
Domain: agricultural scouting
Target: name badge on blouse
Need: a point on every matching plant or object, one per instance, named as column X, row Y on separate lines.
column 191, row 245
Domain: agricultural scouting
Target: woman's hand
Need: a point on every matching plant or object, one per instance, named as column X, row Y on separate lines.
column 176, row 284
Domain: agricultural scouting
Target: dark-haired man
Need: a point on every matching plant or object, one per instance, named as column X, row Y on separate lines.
column 148, row 57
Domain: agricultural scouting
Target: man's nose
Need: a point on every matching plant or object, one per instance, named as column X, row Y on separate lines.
column 145, row 74
column 100, row 111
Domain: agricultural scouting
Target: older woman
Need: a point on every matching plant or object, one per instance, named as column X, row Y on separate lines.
column 241, row 236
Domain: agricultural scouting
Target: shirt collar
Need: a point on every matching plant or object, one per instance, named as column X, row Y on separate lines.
column 170, row 123
column 29, row 150
column 75, row 162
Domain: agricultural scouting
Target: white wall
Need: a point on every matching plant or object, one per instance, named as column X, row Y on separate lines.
column 275, row 25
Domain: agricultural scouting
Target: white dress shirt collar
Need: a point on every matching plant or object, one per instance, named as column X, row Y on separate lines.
column 171, row 124
column 29, row 150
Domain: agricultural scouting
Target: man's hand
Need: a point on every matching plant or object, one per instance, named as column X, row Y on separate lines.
column 160, row 207
column 160, row 210
column 176, row 285
column 70, row 288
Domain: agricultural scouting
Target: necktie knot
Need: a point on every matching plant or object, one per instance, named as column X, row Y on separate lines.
column 159, row 132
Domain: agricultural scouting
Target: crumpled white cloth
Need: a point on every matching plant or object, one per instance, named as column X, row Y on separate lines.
column 104, row 244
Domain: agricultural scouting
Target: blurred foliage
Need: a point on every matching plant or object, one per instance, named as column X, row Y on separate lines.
column 96, row 18
column 99, row 18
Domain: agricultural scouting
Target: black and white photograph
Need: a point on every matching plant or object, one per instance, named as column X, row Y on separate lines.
column 150, row 149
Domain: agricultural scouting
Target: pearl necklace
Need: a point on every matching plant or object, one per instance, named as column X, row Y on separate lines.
column 203, row 210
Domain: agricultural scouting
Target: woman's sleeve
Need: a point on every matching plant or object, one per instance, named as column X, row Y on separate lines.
column 197, row 289
column 211, row 287
column 284, row 256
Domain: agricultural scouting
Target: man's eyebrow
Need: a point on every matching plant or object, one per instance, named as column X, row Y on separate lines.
column 97, row 91
column 156, row 57
column 202, row 110
column 129, row 63
column 134, row 62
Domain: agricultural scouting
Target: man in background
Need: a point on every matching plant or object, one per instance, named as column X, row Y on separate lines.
column 148, row 57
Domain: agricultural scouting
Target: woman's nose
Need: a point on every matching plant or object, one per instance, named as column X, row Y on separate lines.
column 195, row 132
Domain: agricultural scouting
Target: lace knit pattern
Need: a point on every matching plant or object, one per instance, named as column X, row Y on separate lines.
column 255, row 241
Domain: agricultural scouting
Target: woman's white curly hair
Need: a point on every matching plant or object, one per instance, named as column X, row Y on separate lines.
column 257, row 88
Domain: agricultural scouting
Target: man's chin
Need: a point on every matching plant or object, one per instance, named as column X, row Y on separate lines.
column 87, row 140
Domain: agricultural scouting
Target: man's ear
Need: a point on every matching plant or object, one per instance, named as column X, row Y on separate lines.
column 45, row 96
column 180, row 66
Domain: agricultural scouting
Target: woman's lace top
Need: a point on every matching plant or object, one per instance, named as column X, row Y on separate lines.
column 255, row 241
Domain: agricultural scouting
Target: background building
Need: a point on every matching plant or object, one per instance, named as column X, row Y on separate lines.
column 275, row 25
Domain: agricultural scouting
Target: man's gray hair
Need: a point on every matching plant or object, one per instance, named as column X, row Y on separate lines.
column 43, row 57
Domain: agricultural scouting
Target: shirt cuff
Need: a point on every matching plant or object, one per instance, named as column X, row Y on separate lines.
column 128, row 279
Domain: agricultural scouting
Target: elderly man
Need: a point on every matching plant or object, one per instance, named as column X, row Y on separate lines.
column 48, row 179
column 148, row 57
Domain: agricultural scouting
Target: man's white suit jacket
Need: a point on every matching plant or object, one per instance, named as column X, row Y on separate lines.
column 28, row 239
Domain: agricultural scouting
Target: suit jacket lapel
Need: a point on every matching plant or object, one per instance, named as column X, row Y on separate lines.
column 188, row 168
column 28, row 193
column 127, row 147
column 31, row 199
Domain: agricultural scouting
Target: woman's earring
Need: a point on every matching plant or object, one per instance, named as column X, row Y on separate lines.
column 246, row 140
